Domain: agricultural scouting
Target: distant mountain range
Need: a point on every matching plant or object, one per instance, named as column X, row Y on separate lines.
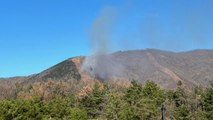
column 163, row 67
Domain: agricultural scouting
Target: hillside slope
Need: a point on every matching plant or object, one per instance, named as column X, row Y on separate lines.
column 164, row 67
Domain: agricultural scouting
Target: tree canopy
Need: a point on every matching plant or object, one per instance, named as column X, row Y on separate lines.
column 136, row 102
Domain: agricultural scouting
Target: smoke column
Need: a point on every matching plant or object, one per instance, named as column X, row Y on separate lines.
column 99, row 64
column 99, row 32
column 183, row 28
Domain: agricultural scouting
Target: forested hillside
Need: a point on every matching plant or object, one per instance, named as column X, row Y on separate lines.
column 54, row 101
column 115, row 88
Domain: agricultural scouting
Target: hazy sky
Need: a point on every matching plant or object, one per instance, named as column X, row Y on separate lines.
column 36, row 34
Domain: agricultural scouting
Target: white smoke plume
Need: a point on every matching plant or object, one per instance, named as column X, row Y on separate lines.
column 99, row 64
column 99, row 32
column 183, row 29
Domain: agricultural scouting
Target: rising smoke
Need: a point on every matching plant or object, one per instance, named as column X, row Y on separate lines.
column 99, row 32
column 153, row 31
column 100, row 64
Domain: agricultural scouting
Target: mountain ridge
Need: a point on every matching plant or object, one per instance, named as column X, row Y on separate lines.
column 166, row 68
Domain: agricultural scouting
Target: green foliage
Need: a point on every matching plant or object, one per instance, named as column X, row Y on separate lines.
column 133, row 93
column 199, row 115
column 179, row 97
column 144, row 102
column 77, row 114
column 94, row 101
column 136, row 102
column 21, row 110
column 58, row 107
column 182, row 113
column 113, row 105
column 152, row 91
column 208, row 102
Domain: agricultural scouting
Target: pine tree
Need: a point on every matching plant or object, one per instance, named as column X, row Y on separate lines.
column 208, row 102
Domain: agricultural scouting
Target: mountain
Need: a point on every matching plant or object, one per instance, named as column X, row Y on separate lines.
column 166, row 68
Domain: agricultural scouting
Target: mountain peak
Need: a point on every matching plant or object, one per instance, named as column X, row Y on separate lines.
column 163, row 67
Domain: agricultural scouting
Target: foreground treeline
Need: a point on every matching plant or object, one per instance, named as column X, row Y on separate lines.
column 104, row 101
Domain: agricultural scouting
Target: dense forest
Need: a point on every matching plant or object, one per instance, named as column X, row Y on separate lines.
column 104, row 101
